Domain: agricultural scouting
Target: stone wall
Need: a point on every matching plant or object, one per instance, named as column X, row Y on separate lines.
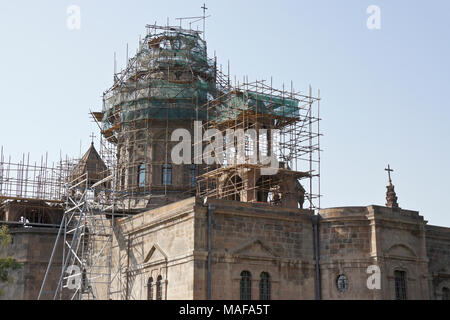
column 354, row 238
column 155, row 243
column 438, row 251
column 260, row 238
column 32, row 247
column 345, row 249
column 172, row 242
column 400, row 246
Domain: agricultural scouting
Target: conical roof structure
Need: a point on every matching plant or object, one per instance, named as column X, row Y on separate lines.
column 92, row 164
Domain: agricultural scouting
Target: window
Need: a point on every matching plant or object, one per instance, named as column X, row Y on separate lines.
column 150, row 289
column 249, row 145
column 264, row 286
column 400, row 285
column 141, row 175
column 193, row 175
column 84, row 282
column 342, row 283
column 122, row 179
column 167, row 174
column 159, row 288
column 445, row 293
column 246, row 285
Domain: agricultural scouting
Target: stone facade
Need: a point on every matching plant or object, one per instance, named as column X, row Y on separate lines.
column 171, row 242
column 32, row 247
column 354, row 238
column 169, row 245
column 438, row 252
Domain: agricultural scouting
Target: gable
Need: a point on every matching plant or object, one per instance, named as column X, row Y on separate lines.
column 155, row 255
column 254, row 248
column 400, row 250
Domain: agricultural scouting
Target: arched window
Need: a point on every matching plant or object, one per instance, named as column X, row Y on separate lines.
column 342, row 283
column 123, row 179
column 159, row 288
column 167, row 174
column 150, row 289
column 400, row 284
column 193, row 175
column 445, row 293
column 264, row 286
column 141, row 175
column 246, row 285
column 249, row 145
column 84, row 281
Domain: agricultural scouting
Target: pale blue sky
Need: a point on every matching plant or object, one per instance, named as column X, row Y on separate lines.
column 385, row 92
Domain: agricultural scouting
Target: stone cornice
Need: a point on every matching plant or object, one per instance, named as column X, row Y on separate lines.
column 261, row 211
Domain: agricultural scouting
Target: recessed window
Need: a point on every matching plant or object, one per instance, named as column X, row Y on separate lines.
column 150, row 289
column 192, row 175
column 123, row 178
column 249, row 145
column 167, row 174
column 159, row 288
column 246, row 285
column 342, row 283
column 84, row 281
column 445, row 293
column 400, row 285
column 141, row 175
column 264, row 286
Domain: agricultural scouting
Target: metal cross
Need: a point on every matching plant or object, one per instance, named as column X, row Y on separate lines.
column 204, row 10
column 204, row 20
column 389, row 170
column 92, row 137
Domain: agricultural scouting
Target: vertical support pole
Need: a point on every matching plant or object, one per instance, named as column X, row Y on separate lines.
column 318, row 141
column 128, row 268
column 62, row 225
column 311, row 204
column 315, row 220
column 210, row 212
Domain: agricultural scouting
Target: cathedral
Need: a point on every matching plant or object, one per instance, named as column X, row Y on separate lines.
column 206, row 187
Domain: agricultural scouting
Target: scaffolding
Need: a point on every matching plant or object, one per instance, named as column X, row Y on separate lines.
column 86, row 230
column 75, row 197
column 169, row 84
column 256, row 109
column 32, row 181
column 162, row 88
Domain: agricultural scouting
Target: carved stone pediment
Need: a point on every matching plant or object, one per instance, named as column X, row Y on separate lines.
column 401, row 251
column 254, row 248
column 155, row 255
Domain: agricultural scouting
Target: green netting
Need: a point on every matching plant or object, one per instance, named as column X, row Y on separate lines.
column 155, row 109
column 257, row 102
column 152, row 97
column 158, row 89
column 156, row 98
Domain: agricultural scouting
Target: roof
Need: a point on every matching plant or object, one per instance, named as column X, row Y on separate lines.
column 92, row 163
